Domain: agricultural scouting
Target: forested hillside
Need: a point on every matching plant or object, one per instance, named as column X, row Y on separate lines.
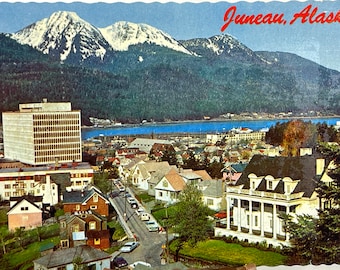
column 152, row 82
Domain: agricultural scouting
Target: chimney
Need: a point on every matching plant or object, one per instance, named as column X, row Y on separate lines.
column 320, row 166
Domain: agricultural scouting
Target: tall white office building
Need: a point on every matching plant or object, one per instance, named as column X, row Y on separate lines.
column 42, row 133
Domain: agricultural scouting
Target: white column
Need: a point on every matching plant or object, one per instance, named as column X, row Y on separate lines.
column 262, row 219
column 250, row 217
column 287, row 213
column 239, row 214
column 274, row 221
column 228, row 212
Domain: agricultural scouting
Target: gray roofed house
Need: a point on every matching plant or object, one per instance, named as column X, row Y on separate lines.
column 268, row 188
column 212, row 193
column 65, row 258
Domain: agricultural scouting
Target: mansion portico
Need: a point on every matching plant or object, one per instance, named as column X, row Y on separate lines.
column 268, row 188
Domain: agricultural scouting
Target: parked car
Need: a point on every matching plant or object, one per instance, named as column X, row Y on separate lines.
column 152, row 226
column 144, row 216
column 134, row 205
column 133, row 265
column 114, row 194
column 119, row 262
column 121, row 188
column 129, row 246
column 131, row 200
column 139, row 211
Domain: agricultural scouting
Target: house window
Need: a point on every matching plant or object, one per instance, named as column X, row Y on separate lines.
column 165, row 183
column 93, row 207
column 160, row 194
column 64, row 243
column 75, row 228
column 256, row 221
column 95, row 198
column 253, row 184
column 92, row 225
column 97, row 241
column 210, row 202
column 7, row 186
column 270, row 185
column 25, row 208
column 63, row 225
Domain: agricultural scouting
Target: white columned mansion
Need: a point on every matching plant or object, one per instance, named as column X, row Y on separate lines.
column 269, row 187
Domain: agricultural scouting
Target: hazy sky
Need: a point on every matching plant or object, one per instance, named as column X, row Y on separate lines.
column 315, row 41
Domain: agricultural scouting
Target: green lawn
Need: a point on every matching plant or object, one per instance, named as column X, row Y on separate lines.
column 28, row 254
column 233, row 254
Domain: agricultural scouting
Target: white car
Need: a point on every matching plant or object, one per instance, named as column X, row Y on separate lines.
column 129, row 246
column 133, row 265
column 152, row 226
column 139, row 211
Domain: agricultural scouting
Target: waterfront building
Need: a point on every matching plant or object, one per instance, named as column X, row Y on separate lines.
column 235, row 137
column 42, row 133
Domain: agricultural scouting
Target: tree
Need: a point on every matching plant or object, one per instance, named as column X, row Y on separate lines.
column 303, row 236
column 190, row 219
column 328, row 225
column 3, row 235
column 297, row 134
column 318, row 240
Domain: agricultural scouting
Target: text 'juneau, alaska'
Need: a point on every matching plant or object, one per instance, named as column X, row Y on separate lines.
column 307, row 15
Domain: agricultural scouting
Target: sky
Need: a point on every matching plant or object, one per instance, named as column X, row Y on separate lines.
column 183, row 20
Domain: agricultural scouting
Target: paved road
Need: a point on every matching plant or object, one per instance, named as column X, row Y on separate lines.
column 151, row 243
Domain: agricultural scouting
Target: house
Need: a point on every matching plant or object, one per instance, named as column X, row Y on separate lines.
column 24, row 214
column 268, row 188
column 194, row 177
column 84, row 227
column 146, row 175
column 212, row 191
column 88, row 199
column 145, row 144
column 158, row 149
column 169, row 187
column 64, row 259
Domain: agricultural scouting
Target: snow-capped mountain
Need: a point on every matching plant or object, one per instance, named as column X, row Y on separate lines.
column 121, row 35
column 221, row 45
column 62, row 34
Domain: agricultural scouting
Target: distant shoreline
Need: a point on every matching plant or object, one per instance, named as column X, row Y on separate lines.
column 219, row 119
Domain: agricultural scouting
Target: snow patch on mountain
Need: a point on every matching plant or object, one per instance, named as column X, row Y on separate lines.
column 64, row 32
column 122, row 34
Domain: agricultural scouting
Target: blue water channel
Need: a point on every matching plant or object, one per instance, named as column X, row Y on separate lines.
column 190, row 127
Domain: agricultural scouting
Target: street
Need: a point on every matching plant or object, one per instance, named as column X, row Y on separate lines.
column 150, row 247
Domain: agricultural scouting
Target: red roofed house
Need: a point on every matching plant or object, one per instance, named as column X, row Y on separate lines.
column 169, row 187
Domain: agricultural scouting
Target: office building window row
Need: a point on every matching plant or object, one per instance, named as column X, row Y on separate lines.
column 56, row 144
column 58, row 134
column 61, row 158
column 55, row 116
column 56, row 140
column 59, row 152
column 58, row 128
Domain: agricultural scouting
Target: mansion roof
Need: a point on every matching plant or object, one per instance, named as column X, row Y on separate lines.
column 302, row 168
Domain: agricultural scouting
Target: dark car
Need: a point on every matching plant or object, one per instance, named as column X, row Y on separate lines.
column 119, row 262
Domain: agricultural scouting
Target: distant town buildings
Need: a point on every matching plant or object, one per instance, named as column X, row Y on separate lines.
column 42, row 133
